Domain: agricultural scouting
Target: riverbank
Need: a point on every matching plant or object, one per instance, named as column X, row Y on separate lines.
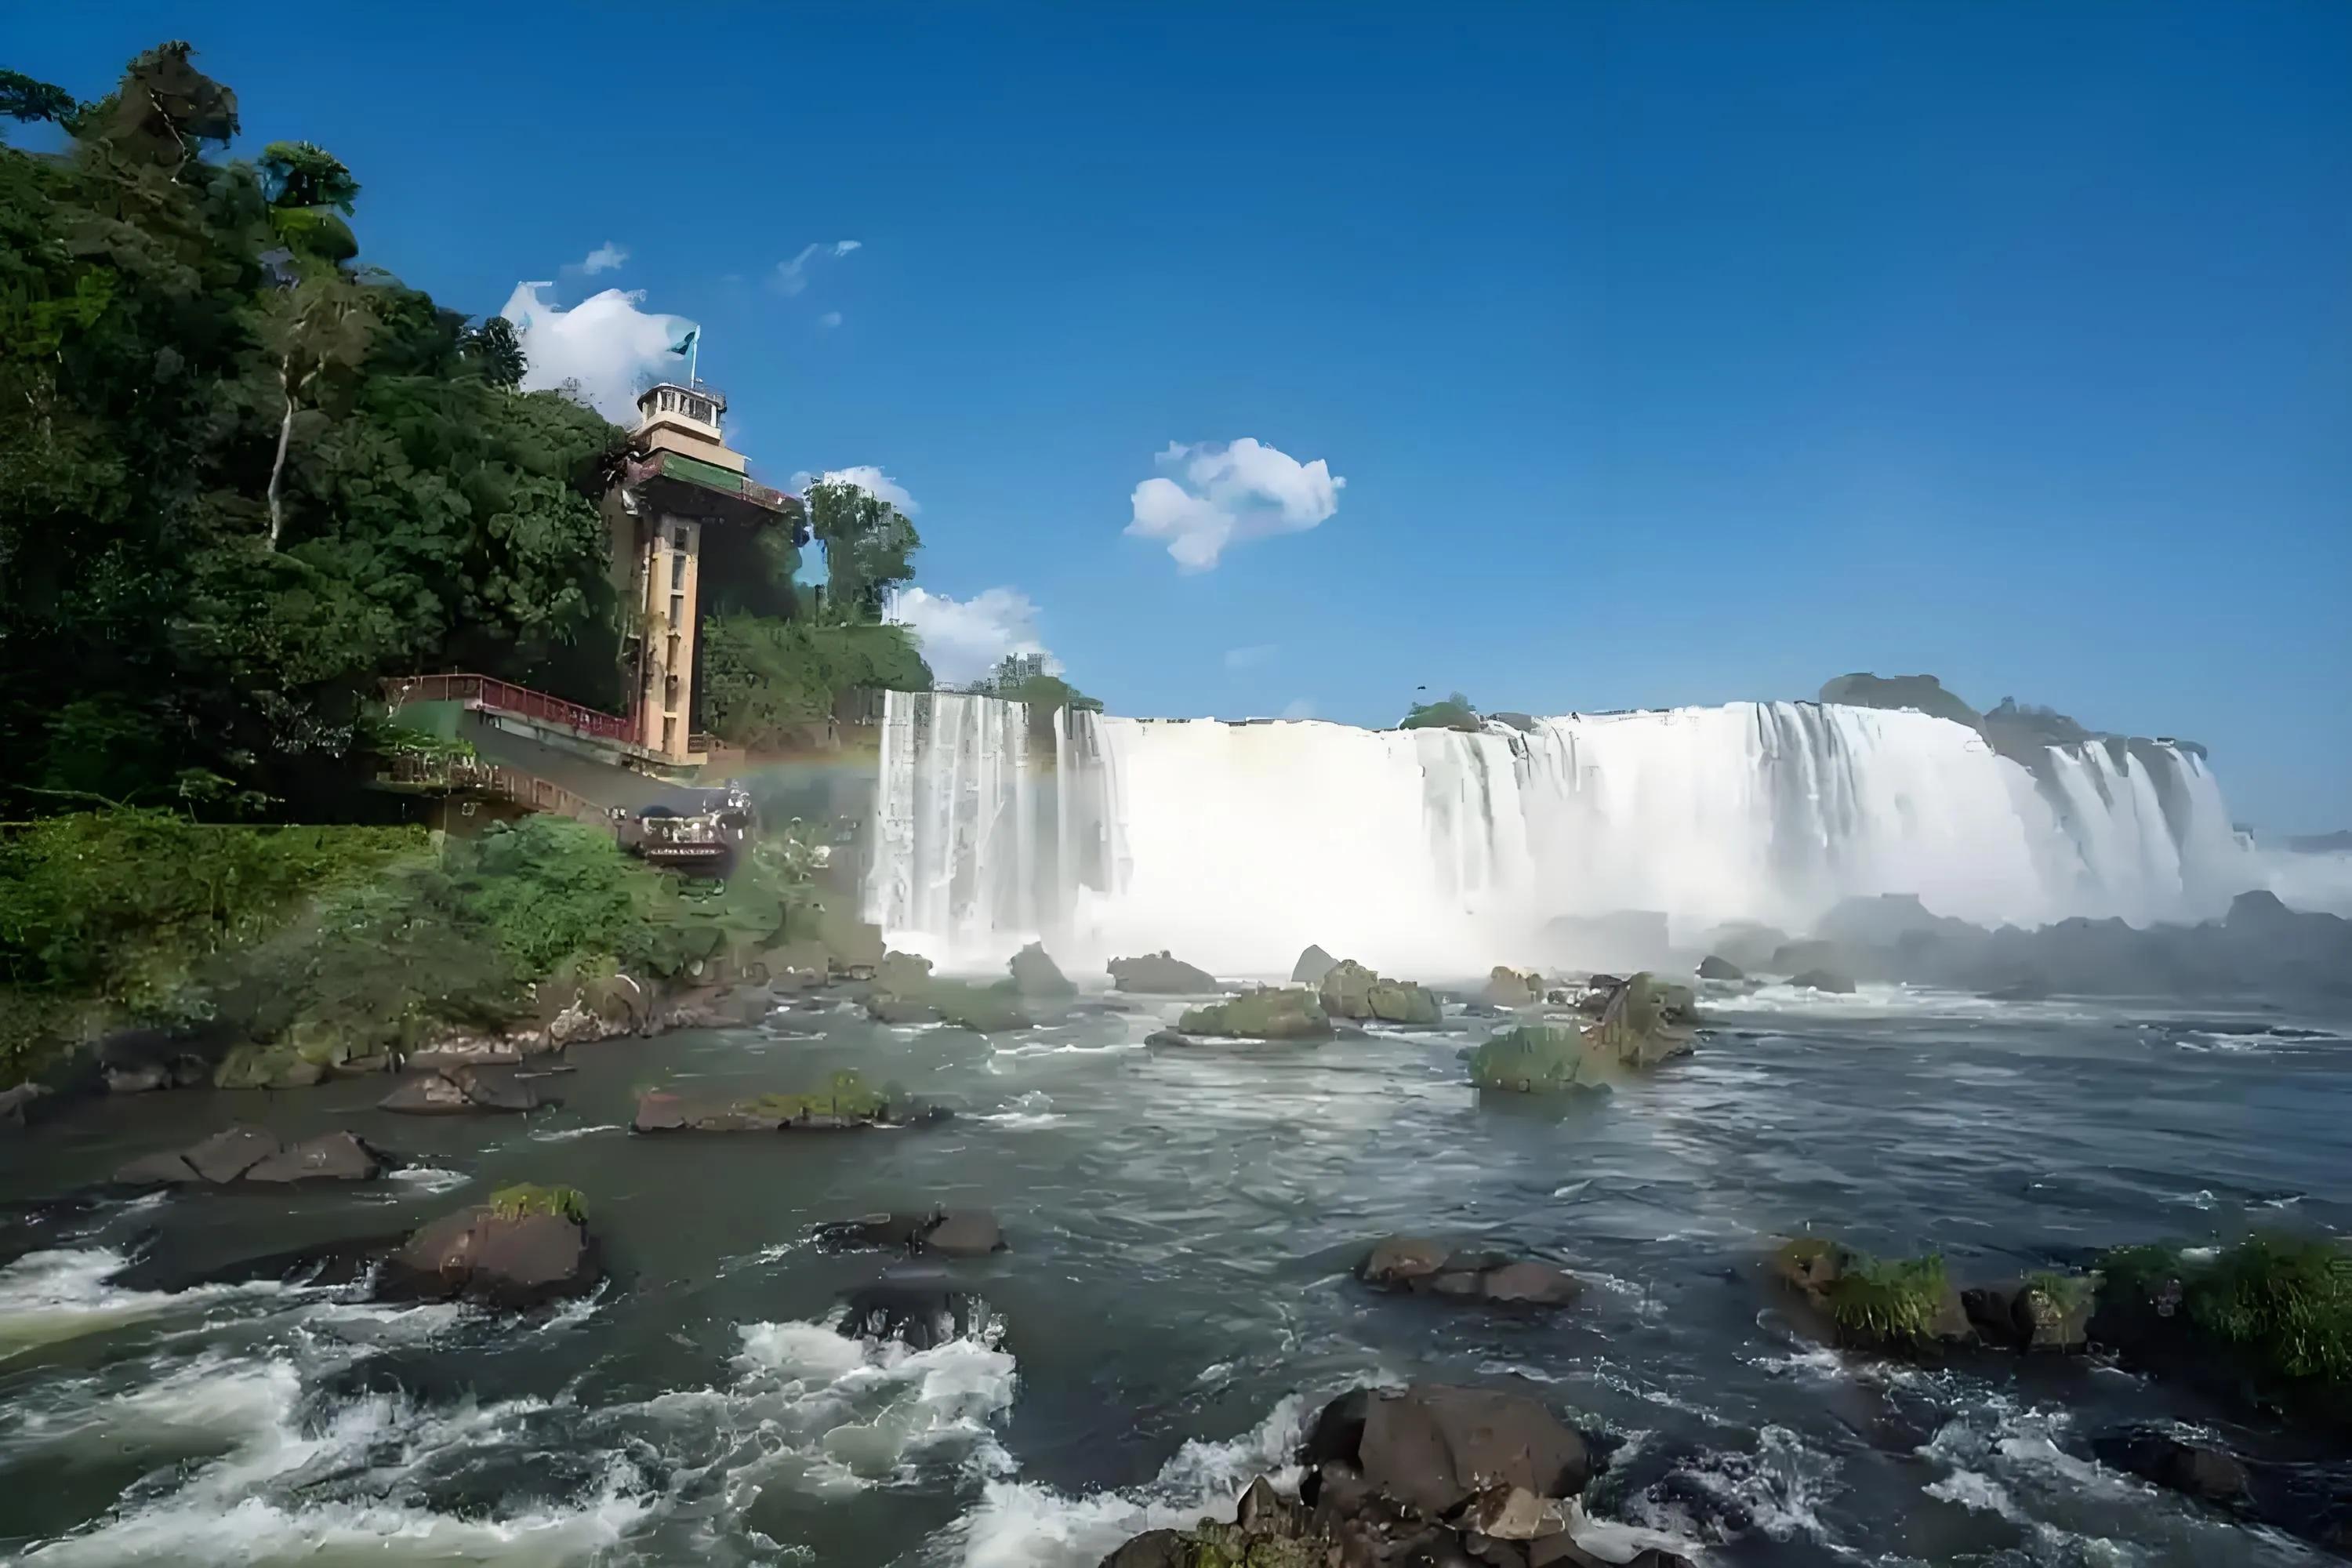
column 1177, row 1296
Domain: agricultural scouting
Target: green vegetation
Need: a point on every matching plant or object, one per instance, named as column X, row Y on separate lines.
column 326, row 945
column 869, row 549
column 2067, row 1295
column 1023, row 678
column 1291, row 1013
column 845, row 1094
column 530, row 1201
column 242, row 480
column 764, row 681
column 1892, row 1302
column 1541, row 1058
column 1452, row 713
column 2283, row 1302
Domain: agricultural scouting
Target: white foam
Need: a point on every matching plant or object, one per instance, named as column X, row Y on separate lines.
column 565, row 1134
column 1017, row 1525
column 431, row 1180
column 48, row 1296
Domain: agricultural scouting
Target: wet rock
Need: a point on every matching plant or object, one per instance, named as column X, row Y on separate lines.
column 1511, row 988
column 329, row 1157
column 142, row 1078
column 1035, row 974
column 524, row 1249
column 1288, row 1014
column 845, row 1102
column 462, row 1089
column 242, row 1154
column 1712, row 967
column 1167, row 1037
column 1895, row 1306
column 21, row 1106
column 951, row 1233
column 1158, row 974
column 1352, row 991
column 172, row 1264
column 2047, row 1312
column 1422, row 1267
column 230, row 1153
column 1828, row 980
column 1312, row 966
column 2194, row 1470
column 1434, row 1447
column 920, row 1309
column 1512, row 1514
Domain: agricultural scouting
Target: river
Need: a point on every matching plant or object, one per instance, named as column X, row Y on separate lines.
column 1176, row 1300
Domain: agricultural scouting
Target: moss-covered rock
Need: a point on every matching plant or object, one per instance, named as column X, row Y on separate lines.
column 988, row 1009
column 528, row 1198
column 1543, row 1058
column 1348, row 990
column 846, row 1096
column 2276, row 1307
column 1646, row 1021
column 1900, row 1305
column 1508, row 987
column 1287, row 1014
column 903, row 973
column 276, row 1066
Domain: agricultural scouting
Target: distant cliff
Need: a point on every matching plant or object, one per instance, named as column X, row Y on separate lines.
column 2019, row 731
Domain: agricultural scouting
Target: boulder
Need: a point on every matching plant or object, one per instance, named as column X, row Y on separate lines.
column 902, row 973
column 1511, row 988
column 2045, row 1312
column 527, row 1247
column 1712, row 967
column 456, row 1090
column 140, row 1079
column 844, row 1102
column 243, row 1154
column 1167, row 1037
column 986, row 1009
column 1035, row 974
column 1289, row 1014
column 1352, row 991
column 1422, row 1266
column 267, row 1066
column 1434, row 1447
column 1312, row 966
column 1791, row 957
column 2194, row 1470
column 1828, row 980
column 951, row 1233
column 920, row 1307
column 230, row 1153
column 1157, row 974
column 1540, row 1058
column 1898, row 1306
column 21, row 1106
column 329, row 1157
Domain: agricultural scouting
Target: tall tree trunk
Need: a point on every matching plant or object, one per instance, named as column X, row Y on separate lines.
column 285, row 434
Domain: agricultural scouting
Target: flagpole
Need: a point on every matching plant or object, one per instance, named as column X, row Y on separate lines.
column 693, row 358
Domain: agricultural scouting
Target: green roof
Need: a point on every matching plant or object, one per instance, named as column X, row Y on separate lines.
column 725, row 481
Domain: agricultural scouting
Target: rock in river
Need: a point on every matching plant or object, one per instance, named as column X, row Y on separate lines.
column 528, row 1246
column 1312, row 966
column 1035, row 974
column 1425, row 1268
column 1290, row 1012
column 951, row 1233
column 1352, row 991
column 456, row 1090
column 1157, row 974
column 243, row 1154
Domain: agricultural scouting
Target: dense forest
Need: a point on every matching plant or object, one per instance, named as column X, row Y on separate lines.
column 245, row 479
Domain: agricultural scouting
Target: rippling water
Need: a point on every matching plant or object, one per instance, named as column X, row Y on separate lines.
column 1176, row 1301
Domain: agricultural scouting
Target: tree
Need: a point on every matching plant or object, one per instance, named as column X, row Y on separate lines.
column 25, row 98
column 870, row 548
column 1454, row 713
column 163, row 111
column 495, row 349
column 304, row 174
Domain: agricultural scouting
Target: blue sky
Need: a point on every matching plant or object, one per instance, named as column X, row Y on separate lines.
column 1668, row 354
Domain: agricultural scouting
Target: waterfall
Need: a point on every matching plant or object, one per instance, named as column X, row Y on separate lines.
column 1433, row 850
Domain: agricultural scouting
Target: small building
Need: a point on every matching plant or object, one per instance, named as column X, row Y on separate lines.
column 689, row 501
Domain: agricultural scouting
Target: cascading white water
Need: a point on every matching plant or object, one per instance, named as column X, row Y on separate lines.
column 1433, row 850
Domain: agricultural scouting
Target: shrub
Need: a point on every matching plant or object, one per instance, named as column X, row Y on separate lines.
column 1889, row 1301
column 2284, row 1303
column 529, row 1200
column 845, row 1094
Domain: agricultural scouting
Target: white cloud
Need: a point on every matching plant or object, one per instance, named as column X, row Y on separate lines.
column 1229, row 493
column 605, row 258
column 792, row 277
column 606, row 343
column 1247, row 658
column 963, row 639
column 829, row 318
column 1300, row 708
column 867, row 477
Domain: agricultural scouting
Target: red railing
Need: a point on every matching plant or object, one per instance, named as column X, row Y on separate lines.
column 468, row 775
column 502, row 696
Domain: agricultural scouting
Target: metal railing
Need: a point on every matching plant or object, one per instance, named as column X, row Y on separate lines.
column 471, row 776
column 503, row 697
